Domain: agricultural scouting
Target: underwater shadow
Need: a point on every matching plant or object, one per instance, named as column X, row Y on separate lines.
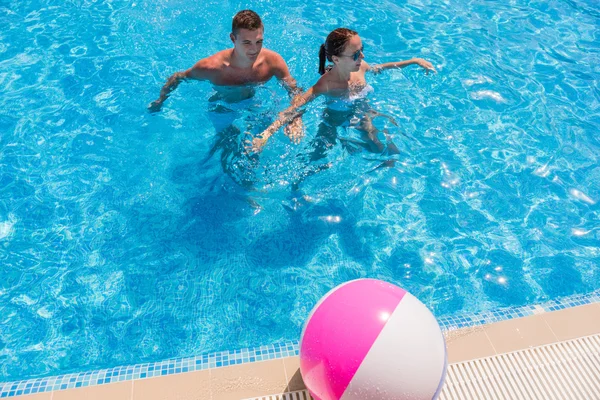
column 308, row 228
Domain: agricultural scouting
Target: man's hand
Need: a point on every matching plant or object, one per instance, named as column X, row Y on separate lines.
column 256, row 145
column 155, row 106
column 295, row 130
column 424, row 64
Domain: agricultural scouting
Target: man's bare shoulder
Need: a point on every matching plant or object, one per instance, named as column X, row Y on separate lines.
column 216, row 61
column 210, row 67
column 273, row 58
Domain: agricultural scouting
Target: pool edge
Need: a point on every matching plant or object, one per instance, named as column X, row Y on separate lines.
column 263, row 353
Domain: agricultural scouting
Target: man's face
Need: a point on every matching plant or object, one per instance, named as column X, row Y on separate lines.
column 248, row 43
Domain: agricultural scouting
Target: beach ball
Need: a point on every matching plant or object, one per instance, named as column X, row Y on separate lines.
column 368, row 339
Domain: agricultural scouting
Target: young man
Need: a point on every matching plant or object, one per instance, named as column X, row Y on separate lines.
column 232, row 71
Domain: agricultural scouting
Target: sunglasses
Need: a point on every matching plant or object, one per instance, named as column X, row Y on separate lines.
column 356, row 55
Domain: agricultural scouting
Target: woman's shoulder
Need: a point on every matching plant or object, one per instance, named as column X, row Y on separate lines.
column 323, row 85
column 364, row 67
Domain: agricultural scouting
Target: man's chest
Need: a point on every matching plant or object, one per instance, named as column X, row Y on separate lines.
column 234, row 77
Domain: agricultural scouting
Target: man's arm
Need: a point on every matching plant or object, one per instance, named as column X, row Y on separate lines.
column 294, row 129
column 200, row 71
column 402, row 64
column 285, row 117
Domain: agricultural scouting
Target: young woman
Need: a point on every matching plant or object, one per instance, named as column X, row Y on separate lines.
column 344, row 84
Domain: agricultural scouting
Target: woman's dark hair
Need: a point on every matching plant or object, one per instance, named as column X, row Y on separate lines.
column 245, row 19
column 334, row 46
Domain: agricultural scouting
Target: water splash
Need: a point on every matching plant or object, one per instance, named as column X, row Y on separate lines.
column 6, row 227
column 488, row 95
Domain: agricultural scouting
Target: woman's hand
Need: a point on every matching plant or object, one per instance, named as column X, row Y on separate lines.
column 424, row 64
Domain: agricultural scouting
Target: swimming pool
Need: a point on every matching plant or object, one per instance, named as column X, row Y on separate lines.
column 120, row 243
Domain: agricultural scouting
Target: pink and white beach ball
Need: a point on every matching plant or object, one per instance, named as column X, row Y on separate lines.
column 371, row 340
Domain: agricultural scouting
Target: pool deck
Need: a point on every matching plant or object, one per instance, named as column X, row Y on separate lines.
column 282, row 375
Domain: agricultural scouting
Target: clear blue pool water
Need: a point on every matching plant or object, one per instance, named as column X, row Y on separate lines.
column 121, row 242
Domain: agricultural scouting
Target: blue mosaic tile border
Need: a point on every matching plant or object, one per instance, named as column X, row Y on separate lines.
column 263, row 353
column 149, row 370
column 502, row 314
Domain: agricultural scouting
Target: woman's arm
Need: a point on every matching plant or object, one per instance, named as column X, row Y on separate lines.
column 401, row 64
column 285, row 117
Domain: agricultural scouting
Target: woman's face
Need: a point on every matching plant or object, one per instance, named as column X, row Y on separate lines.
column 352, row 56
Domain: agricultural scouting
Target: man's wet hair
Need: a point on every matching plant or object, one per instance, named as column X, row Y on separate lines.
column 246, row 19
column 334, row 46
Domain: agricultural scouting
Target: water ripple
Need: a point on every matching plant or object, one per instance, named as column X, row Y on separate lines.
column 123, row 241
